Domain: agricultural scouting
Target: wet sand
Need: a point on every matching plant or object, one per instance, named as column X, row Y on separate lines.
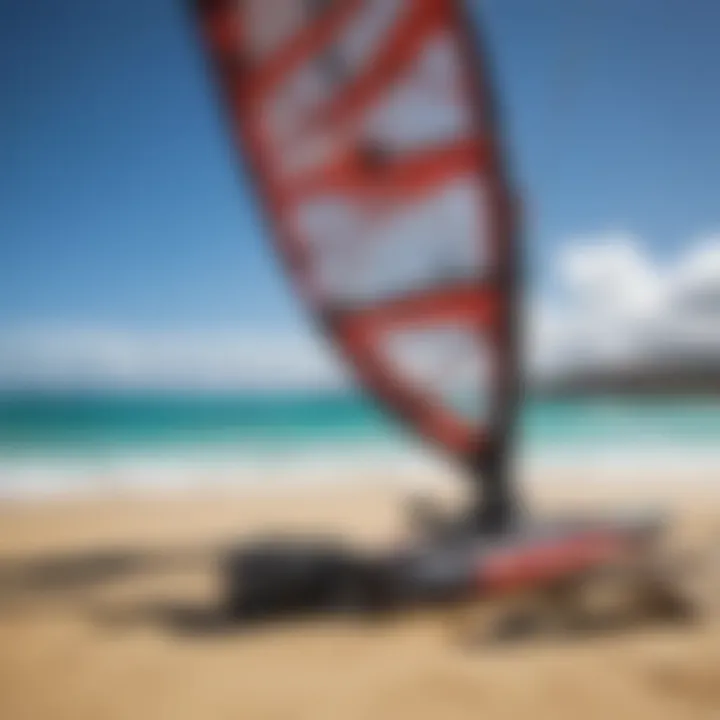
column 105, row 613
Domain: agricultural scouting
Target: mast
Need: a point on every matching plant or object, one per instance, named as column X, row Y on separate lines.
column 372, row 135
column 494, row 505
column 495, row 502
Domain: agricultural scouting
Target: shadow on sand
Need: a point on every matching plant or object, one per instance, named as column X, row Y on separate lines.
column 57, row 573
column 83, row 582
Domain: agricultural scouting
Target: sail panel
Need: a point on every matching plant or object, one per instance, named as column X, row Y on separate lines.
column 368, row 125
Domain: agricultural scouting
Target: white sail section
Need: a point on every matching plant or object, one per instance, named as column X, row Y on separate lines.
column 368, row 127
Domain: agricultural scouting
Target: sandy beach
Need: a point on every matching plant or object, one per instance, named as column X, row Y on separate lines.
column 105, row 603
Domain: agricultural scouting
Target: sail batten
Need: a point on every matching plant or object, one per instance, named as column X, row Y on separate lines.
column 369, row 173
column 459, row 303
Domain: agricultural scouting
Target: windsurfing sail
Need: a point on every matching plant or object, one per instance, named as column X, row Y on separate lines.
column 370, row 129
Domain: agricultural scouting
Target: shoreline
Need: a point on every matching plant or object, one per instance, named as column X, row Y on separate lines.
column 35, row 478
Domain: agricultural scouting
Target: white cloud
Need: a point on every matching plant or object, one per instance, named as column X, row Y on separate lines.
column 611, row 275
column 63, row 356
column 612, row 305
column 616, row 305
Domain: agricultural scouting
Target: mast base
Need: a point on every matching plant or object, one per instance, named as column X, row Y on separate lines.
column 495, row 506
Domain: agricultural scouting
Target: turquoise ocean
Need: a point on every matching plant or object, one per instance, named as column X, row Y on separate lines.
column 58, row 440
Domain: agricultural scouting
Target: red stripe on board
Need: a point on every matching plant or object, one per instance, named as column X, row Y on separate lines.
column 426, row 414
column 548, row 561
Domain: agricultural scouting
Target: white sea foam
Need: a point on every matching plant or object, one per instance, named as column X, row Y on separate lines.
column 40, row 476
column 26, row 476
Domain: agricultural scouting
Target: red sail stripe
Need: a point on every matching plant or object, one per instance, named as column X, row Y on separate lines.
column 461, row 304
column 224, row 28
column 299, row 49
column 410, row 177
column 402, row 46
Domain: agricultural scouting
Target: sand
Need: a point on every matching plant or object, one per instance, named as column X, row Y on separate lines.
column 104, row 607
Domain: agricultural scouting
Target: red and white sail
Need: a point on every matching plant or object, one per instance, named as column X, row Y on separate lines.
column 369, row 128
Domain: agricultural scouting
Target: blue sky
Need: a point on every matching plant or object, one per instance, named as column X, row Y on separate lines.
column 613, row 116
column 121, row 204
